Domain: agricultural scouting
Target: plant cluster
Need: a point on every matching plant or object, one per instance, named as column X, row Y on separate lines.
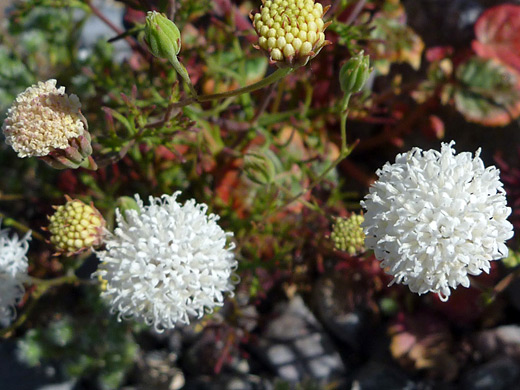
column 226, row 155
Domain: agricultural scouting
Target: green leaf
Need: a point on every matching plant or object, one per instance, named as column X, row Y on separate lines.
column 486, row 92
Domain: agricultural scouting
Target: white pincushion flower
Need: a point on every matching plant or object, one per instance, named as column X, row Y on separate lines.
column 166, row 262
column 13, row 273
column 434, row 218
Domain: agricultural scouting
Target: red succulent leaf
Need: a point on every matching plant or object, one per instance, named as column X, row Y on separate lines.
column 438, row 53
column 498, row 35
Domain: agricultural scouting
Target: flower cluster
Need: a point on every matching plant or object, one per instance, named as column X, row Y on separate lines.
column 347, row 234
column 434, row 218
column 75, row 227
column 46, row 122
column 166, row 262
column 291, row 31
column 13, row 273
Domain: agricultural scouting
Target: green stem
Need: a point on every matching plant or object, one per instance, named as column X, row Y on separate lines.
column 20, row 320
column 181, row 70
column 343, row 123
column 344, row 152
column 307, row 204
column 42, row 285
column 21, row 227
column 274, row 77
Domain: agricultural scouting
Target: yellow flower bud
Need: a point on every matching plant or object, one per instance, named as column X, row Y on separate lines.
column 75, row 227
column 347, row 234
column 291, row 32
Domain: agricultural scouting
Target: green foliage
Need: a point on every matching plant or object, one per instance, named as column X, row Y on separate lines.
column 93, row 346
column 190, row 10
column 486, row 92
column 349, row 35
column 14, row 77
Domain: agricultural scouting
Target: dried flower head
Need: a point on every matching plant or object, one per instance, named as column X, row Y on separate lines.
column 347, row 234
column 13, row 273
column 434, row 218
column 76, row 227
column 291, row 32
column 46, row 122
column 166, row 262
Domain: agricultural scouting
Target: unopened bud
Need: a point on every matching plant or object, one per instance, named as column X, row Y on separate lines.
column 354, row 74
column 512, row 260
column 125, row 203
column 75, row 227
column 261, row 167
column 290, row 31
column 347, row 234
column 162, row 36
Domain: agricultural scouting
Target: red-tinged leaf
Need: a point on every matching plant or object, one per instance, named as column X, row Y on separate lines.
column 391, row 41
column 433, row 127
column 423, row 341
column 229, row 187
column 438, row 53
column 498, row 35
column 486, row 92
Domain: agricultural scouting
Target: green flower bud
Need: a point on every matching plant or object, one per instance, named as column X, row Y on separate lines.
column 162, row 36
column 261, row 167
column 512, row 260
column 290, row 32
column 125, row 203
column 348, row 236
column 354, row 74
column 75, row 227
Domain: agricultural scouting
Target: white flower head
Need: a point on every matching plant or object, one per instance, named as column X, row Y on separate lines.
column 13, row 273
column 434, row 218
column 166, row 262
column 43, row 118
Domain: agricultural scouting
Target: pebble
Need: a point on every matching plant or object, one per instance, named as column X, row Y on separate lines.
column 296, row 347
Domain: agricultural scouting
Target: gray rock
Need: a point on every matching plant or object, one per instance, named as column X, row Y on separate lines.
column 378, row 376
column 157, row 370
column 94, row 30
column 295, row 346
column 228, row 382
column 500, row 341
column 344, row 320
column 498, row 374
column 69, row 385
